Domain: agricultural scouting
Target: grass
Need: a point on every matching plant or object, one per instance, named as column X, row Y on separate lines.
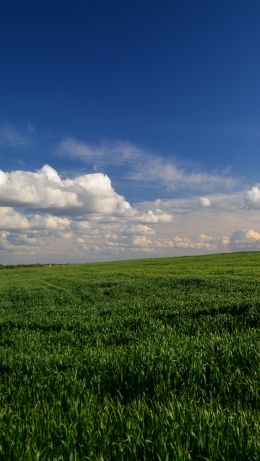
column 134, row 360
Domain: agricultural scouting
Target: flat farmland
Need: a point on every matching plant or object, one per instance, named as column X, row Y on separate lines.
column 134, row 360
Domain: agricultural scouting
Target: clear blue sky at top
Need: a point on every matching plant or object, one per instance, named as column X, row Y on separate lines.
column 177, row 77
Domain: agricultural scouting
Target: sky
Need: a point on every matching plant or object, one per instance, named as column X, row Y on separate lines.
column 128, row 129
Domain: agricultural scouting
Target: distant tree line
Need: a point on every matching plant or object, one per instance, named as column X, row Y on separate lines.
column 17, row 266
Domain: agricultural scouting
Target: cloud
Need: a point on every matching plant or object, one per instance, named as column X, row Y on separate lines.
column 25, row 240
column 103, row 153
column 158, row 169
column 49, row 222
column 11, row 219
column 46, row 217
column 202, row 241
column 143, row 229
column 43, row 214
column 205, row 202
column 11, row 137
column 245, row 239
column 4, row 243
column 46, row 190
column 144, row 166
column 154, row 217
column 252, row 198
column 142, row 240
column 199, row 242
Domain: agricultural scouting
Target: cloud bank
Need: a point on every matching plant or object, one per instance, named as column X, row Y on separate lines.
column 45, row 217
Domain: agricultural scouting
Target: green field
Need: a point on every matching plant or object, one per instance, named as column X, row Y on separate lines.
column 135, row 360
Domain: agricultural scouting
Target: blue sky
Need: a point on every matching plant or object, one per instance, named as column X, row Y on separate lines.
column 161, row 96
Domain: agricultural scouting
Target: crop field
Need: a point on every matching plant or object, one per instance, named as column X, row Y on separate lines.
column 135, row 360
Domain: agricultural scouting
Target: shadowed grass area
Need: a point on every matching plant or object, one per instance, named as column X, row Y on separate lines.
column 131, row 360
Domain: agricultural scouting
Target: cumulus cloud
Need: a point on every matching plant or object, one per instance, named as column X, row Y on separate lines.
column 4, row 243
column 45, row 189
column 141, row 228
column 157, row 216
column 40, row 209
column 49, row 222
column 11, row 219
column 202, row 241
column 245, row 239
column 198, row 242
column 142, row 240
column 253, row 197
column 25, row 240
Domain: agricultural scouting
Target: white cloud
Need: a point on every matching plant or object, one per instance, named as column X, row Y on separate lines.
column 253, row 197
column 205, row 202
column 44, row 189
column 156, row 168
column 103, row 153
column 247, row 234
column 245, row 239
column 142, row 241
column 44, row 215
column 144, row 166
column 49, row 222
column 25, row 240
column 154, row 217
column 200, row 242
column 4, row 243
column 142, row 229
column 11, row 219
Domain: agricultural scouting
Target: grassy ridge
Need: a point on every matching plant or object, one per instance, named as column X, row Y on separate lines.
column 152, row 359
